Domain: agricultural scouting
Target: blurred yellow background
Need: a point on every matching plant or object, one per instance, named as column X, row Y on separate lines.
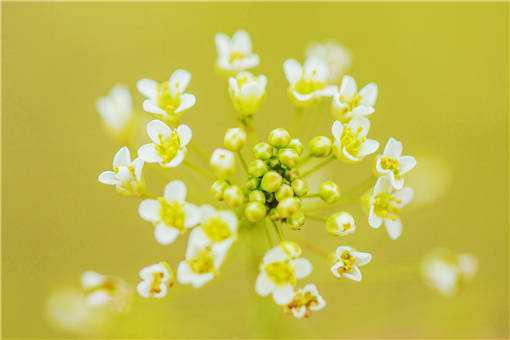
column 442, row 72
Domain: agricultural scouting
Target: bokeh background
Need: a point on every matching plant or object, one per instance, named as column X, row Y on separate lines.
column 442, row 70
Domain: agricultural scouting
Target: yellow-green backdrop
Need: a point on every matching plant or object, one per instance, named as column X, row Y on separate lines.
column 442, row 70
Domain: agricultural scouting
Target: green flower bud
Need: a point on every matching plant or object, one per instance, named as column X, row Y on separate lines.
column 223, row 163
column 296, row 144
column 279, row 138
column 235, row 139
column 255, row 211
column 262, row 151
column 296, row 220
column 288, row 157
column 257, row 196
column 329, row 192
column 292, row 174
column 218, row 187
column 284, row 192
column 288, row 206
column 233, row 196
column 271, row 181
column 273, row 215
column 252, row 183
column 273, row 163
column 300, row 188
column 320, row 146
column 340, row 224
column 257, row 168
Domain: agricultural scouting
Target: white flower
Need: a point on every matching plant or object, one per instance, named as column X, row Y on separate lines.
column 338, row 57
column 217, row 228
column 116, row 109
column 126, row 175
column 247, row 92
column 103, row 290
column 168, row 146
column 348, row 102
column 223, row 162
column 308, row 82
column 280, row 270
column 341, row 224
column 348, row 263
column 156, row 279
column 447, row 273
column 202, row 262
column 351, row 143
column 171, row 214
column 305, row 301
column 392, row 164
column 168, row 99
column 385, row 206
column 235, row 54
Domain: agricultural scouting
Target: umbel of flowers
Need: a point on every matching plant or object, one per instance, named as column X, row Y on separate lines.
column 270, row 191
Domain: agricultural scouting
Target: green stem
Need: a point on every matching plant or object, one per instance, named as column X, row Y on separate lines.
column 317, row 167
column 268, row 235
column 316, row 195
column 243, row 162
column 199, row 170
column 315, row 218
column 278, row 231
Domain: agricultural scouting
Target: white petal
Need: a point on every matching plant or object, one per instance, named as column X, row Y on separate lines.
column 122, row 96
column 394, row 228
column 98, row 298
column 201, row 279
column 348, row 87
column 241, row 42
column 123, row 174
column 152, row 107
column 222, row 43
column 184, row 273
column 263, row 286
column 177, row 160
column 91, row 279
column 407, row 163
column 283, row 295
column 316, row 69
column 368, row 94
column 354, row 274
column 302, row 267
column 274, row 255
column 405, row 195
column 178, row 81
column 122, row 157
column 184, row 133
column 176, row 191
column 250, row 61
column 361, row 110
column 368, row 147
column 157, row 129
column 187, row 101
column 207, row 211
column 193, row 215
column 149, row 210
column 149, row 154
column 299, row 312
column 230, row 218
column 382, row 185
column 108, row 177
column 293, row 71
column 373, row 220
column 393, row 148
column 148, row 87
column 336, row 129
column 165, row 234
column 362, row 258
column 143, row 289
column 138, row 165
column 360, row 123
column 251, row 90
column 334, row 269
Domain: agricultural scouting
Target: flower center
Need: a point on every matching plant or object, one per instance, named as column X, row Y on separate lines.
column 281, row 273
column 172, row 214
column 236, row 56
column 155, row 287
column 348, row 262
column 385, row 206
column 390, row 163
column 216, row 229
column 306, row 299
column 352, row 140
column 168, row 147
column 351, row 104
column 202, row 262
column 308, row 86
column 166, row 101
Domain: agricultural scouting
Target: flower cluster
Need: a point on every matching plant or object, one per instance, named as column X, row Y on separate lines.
column 271, row 192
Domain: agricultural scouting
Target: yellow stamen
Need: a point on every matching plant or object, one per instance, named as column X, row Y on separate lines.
column 172, row 213
column 281, row 273
column 216, row 229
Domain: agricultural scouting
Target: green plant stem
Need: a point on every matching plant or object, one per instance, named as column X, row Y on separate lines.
column 278, row 231
column 243, row 162
column 199, row 170
column 315, row 217
column 268, row 234
column 317, row 167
